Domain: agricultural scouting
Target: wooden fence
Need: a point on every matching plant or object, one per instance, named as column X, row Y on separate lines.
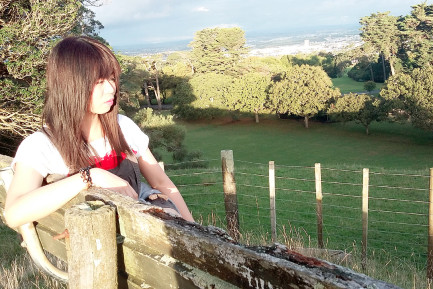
column 157, row 250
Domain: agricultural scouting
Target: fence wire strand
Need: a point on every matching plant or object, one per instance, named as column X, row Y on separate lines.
column 391, row 207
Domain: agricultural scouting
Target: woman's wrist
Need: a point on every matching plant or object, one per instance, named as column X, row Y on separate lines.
column 85, row 176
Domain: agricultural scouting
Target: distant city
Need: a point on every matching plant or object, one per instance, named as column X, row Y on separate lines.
column 270, row 44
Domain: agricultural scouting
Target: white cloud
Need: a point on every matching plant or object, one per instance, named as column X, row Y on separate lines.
column 201, row 9
column 225, row 25
column 120, row 12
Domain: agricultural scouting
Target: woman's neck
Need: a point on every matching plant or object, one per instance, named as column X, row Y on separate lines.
column 92, row 127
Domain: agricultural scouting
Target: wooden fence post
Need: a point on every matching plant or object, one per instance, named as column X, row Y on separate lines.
column 91, row 246
column 272, row 201
column 230, row 197
column 365, row 184
column 319, row 197
column 430, row 229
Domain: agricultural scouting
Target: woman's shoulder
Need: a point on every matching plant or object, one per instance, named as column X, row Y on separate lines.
column 37, row 138
column 126, row 124
column 134, row 136
column 38, row 151
column 37, row 143
column 121, row 119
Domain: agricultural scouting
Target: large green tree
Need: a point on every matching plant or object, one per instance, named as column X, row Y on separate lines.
column 28, row 30
column 269, row 65
column 380, row 32
column 178, row 64
column 417, row 36
column 412, row 96
column 86, row 22
column 361, row 108
column 303, row 91
column 133, row 81
column 334, row 63
column 218, row 50
column 249, row 93
column 202, row 96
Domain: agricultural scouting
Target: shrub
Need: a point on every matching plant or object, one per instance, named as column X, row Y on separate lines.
column 164, row 134
column 369, row 85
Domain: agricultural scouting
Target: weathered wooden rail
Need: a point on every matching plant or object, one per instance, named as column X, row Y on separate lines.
column 156, row 250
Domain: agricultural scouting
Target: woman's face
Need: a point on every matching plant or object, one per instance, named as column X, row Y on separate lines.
column 102, row 98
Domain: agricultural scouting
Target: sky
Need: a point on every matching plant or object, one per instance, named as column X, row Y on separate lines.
column 132, row 22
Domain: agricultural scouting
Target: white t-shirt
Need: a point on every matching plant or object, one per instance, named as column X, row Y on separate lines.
column 38, row 151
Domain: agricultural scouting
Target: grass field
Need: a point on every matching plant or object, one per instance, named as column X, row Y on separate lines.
column 398, row 156
column 390, row 146
column 346, row 85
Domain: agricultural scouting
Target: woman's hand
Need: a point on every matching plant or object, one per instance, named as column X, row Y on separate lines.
column 104, row 179
column 157, row 179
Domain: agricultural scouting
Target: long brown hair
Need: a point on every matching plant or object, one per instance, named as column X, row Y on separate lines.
column 74, row 66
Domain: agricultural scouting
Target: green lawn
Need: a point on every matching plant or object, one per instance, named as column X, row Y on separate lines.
column 398, row 156
column 389, row 145
column 346, row 84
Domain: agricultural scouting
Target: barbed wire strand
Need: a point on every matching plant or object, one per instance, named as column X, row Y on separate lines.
column 294, row 167
column 399, row 175
column 341, row 195
column 193, row 174
column 341, row 170
column 398, row 213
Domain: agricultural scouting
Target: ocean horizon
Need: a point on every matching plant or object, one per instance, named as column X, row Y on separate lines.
column 307, row 40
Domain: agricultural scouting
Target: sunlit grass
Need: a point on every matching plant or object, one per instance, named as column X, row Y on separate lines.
column 17, row 270
column 398, row 157
column 347, row 84
column 390, row 146
column 397, row 227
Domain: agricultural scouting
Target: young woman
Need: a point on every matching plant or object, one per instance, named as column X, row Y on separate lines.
column 83, row 138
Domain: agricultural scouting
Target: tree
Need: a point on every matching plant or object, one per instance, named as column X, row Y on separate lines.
column 178, row 64
column 218, row 50
column 361, row 108
column 202, row 96
column 369, row 85
column 210, row 90
column 249, row 93
column 28, row 31
column 176, row 69
column 134, row 70
column 380, row 32
column 166, row 135
column 333, row 64
column 303, row 90
column 367, row 65
column 412, row 96
column 269, row 65
column 367, row 69
column 153, row 66
column 86, row 24
column 417, row 40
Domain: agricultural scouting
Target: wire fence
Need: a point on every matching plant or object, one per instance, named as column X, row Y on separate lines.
column 398, row 206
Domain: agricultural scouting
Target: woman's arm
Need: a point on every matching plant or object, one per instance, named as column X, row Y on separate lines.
column 157, row 179
column 28, row 201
